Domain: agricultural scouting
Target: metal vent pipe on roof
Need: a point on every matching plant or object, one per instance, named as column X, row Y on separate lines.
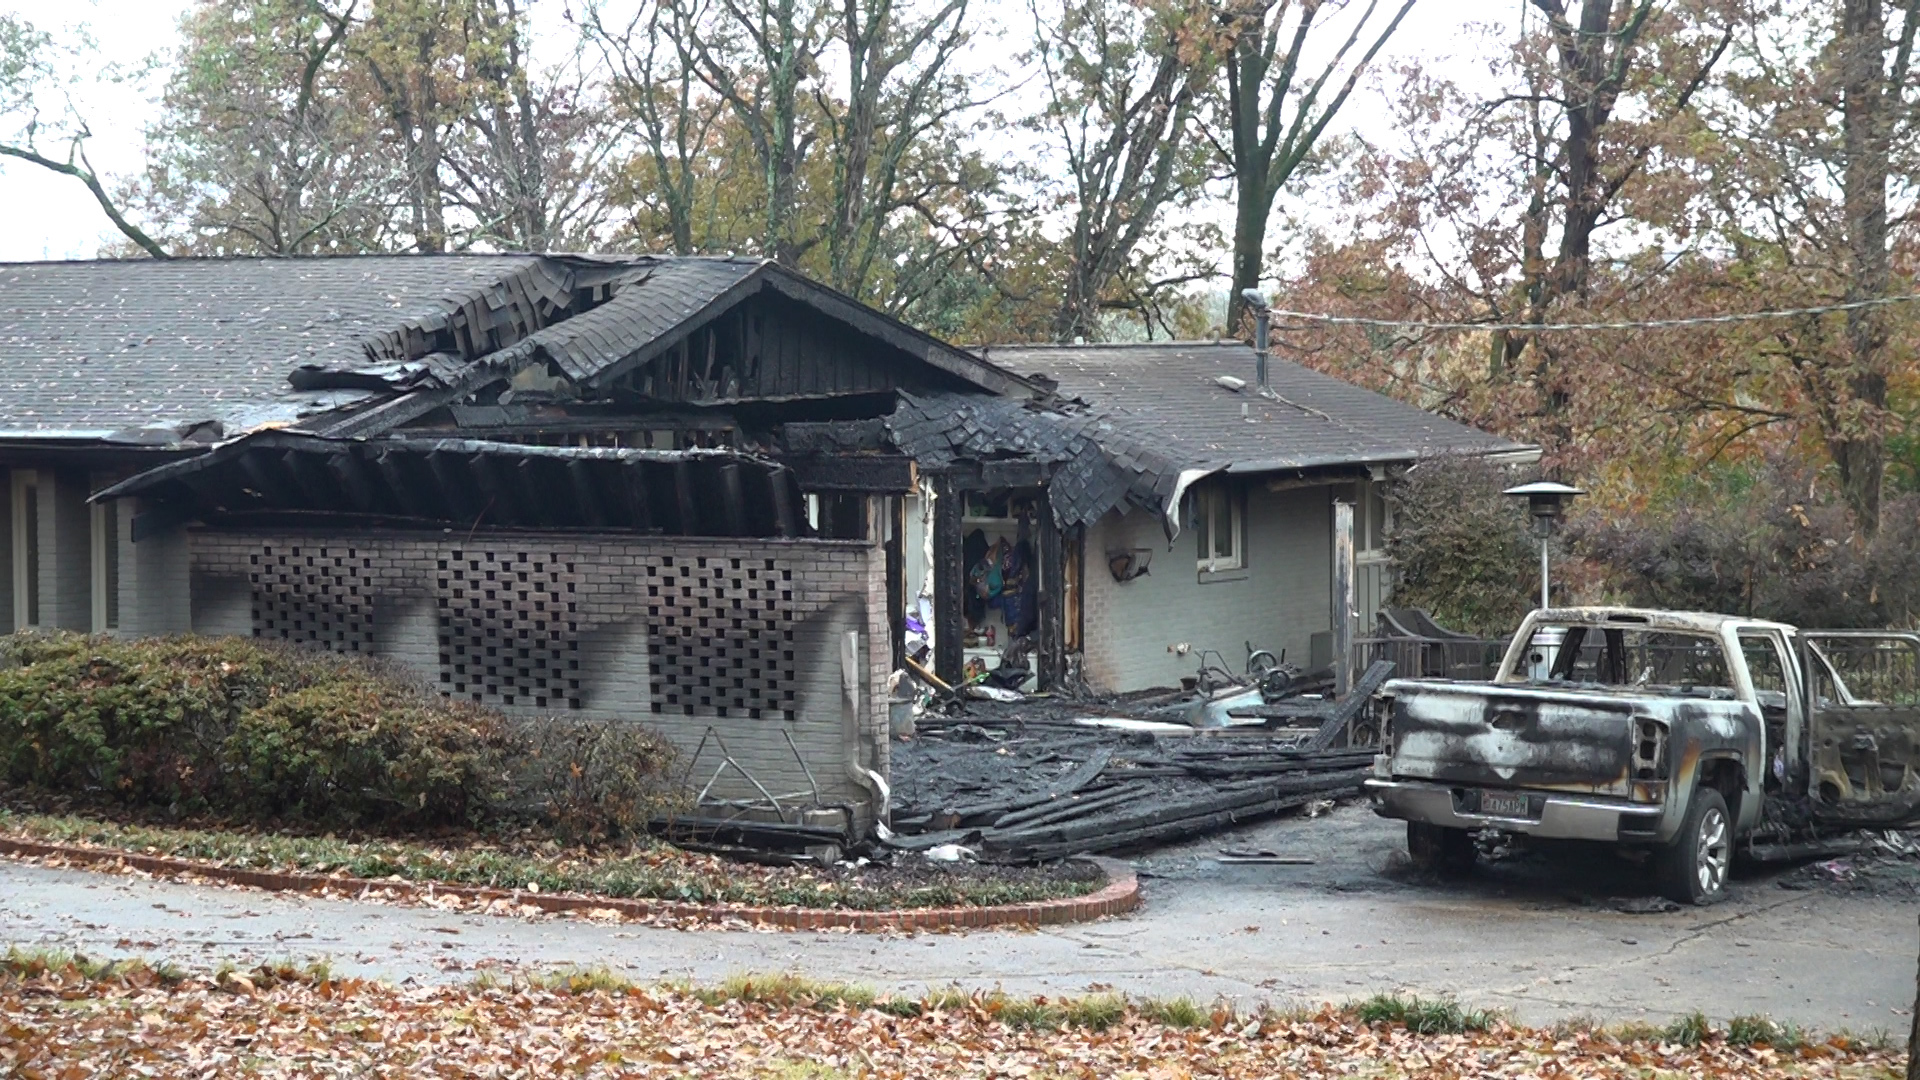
column 1261, row 323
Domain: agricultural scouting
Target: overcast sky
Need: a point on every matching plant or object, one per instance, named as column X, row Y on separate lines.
column 54, row 217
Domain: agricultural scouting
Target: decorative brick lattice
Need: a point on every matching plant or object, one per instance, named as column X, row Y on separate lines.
column 315, row 594
column 508, row 633
column 720, row 636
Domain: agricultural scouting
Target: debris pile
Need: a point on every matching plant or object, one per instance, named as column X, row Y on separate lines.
column 1020, row 791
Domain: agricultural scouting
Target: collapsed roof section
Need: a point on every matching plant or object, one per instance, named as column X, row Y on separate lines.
column 471, row 484
column 179, row 351
column 1097, row 464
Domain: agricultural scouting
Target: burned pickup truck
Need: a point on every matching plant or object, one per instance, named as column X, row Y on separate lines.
column 1688, row 736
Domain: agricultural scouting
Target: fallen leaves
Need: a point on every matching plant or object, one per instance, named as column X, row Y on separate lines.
column 63, row 1022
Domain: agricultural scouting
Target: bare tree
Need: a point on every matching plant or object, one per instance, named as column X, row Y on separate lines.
column 757, row 55
column 654, row 82
column 35, row 109
column 1276, row 114
column 900, row 89
column 1123, row 83
column 264, row 146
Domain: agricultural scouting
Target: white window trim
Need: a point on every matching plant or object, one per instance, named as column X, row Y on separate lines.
column 1202, row 496
column 1363, row 525
column 23, row 481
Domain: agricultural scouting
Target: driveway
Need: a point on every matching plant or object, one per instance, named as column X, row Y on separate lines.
column 1540, row 936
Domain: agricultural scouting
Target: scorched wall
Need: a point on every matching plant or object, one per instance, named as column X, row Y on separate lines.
column 734, row 641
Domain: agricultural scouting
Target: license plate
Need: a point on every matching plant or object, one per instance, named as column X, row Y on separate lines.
column 1503, row 804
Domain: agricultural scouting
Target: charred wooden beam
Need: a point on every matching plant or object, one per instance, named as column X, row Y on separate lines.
column 266, row 479
column 686, row 511
column 637, row 496
column 1051, row 653
column 542, row 493
column 500, row 489
column 853, row 472
column 355, row 479
column 780, row 497
column 949, row 583
column 450, row 474
column 733, row 499
column 309, row 478
column 417, row 495
column 585, row 495
column 896, row 539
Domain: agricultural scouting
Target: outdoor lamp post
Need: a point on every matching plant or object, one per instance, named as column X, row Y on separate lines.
column 1546, row 500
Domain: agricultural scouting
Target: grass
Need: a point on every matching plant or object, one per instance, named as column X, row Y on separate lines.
column 1763, row 1031
column 34, row 963
column 1094, row 1012
column 648, row 870
column 1422, row 1016
column 1689, row 1030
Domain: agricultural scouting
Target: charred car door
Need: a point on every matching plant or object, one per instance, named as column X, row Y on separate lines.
column 1863, row 733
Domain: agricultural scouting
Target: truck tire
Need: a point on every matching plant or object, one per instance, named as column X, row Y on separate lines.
column 1694, row 868
column 1436, row 847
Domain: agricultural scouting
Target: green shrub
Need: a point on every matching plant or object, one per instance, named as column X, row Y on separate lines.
column 252, row 729
column 596, row 778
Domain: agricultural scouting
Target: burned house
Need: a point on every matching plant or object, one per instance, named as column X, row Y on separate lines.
column 1196, row 504
column 705, row 494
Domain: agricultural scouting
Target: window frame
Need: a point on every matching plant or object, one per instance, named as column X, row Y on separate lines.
column 1202, row 501
column 1372, row 519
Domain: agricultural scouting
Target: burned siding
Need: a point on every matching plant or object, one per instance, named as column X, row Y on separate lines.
column 739, row 640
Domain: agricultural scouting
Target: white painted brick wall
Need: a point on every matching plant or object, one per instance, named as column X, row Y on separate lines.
column 1279, row 602
column 838, row 587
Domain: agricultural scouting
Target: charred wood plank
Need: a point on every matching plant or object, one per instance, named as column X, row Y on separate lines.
column 456, row 488
column 1075, row 779
column 949, row 584
column 686, row 513
column 864, row 473
column 586, row 495
column 733, row 499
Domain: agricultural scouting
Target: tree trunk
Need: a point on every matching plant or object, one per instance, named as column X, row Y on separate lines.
column 1857, row 445
column 1249, row 250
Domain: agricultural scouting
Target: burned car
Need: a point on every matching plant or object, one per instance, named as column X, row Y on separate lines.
column 1689, row 736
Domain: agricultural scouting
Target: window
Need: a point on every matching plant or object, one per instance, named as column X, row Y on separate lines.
column 1675, row 662
column 1218, row 527
column 1764, row 666
column 26, row 548
column 1371, row 519
column 106, row 567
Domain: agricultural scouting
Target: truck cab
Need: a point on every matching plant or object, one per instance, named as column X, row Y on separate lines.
column 1687, row 734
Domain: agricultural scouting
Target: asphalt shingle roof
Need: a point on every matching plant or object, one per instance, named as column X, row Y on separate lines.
column 1170, row 392
column 148, row 350
column 98, row 347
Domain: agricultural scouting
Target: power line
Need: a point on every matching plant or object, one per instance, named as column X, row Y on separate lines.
column 1648, row 324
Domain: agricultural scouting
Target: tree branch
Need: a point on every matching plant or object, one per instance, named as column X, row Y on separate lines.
column 84, row 173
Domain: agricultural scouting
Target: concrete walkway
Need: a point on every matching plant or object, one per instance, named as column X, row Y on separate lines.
column 1535, row 936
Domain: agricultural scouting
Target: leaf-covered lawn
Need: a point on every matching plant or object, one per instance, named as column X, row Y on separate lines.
column 57, row 1021
column 646, row 870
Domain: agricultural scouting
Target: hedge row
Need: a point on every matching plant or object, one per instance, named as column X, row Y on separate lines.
column 263, row 731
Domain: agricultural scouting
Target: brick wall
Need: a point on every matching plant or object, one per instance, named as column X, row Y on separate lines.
column 1278, row 602
column 716, row 642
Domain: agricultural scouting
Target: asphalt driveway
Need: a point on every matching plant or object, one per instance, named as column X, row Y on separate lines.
column 1544, row 936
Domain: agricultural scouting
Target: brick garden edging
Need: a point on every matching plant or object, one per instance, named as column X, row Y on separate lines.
column 1120, row 894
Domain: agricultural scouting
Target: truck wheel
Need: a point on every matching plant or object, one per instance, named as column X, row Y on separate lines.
column 1436, row 847
column 1693, row 869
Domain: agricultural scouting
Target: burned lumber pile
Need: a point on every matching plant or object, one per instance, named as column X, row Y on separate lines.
column 1030, row 792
